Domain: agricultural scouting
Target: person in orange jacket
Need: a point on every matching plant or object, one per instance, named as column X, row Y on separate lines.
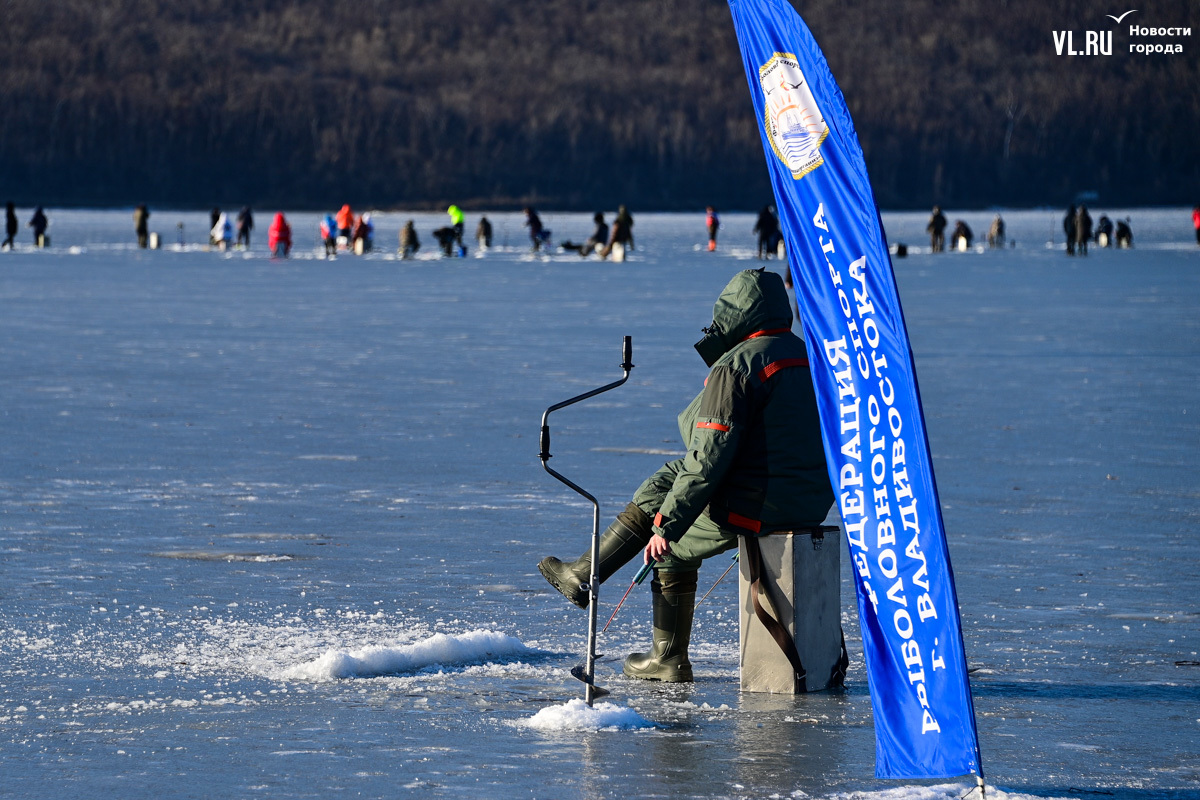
column 279, row 237
column 345, row 221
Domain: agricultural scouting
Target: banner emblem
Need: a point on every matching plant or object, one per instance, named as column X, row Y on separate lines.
column 793, row 122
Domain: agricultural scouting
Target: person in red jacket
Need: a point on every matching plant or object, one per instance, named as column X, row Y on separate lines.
column 345, row 222
column 279, row 237
column 1196, row 222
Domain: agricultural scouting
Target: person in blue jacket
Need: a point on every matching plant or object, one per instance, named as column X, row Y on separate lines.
column 329, row 234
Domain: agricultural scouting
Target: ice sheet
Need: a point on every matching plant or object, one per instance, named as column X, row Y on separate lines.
column 217, row 468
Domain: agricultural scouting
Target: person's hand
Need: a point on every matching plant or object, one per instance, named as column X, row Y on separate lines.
column 658, row 549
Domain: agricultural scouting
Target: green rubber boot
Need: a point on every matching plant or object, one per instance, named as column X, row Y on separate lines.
column 674, row 600
column 627, row 536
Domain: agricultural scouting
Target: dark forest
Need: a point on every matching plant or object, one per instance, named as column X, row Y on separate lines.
column 573, row 105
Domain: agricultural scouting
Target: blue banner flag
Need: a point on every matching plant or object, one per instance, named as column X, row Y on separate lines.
column 871, row 419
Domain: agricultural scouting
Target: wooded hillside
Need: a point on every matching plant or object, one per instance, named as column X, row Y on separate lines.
column 576, row 104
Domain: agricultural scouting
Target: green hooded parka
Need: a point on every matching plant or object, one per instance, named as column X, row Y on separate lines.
column 755, row 462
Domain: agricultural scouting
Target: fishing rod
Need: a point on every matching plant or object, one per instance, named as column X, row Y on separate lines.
column 641, row 576
column 723, row 574
column 637, row 579
column 587, row 672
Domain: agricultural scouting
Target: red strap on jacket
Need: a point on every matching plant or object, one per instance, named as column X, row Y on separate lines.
column 745, row 522
column 769, row 332
column 776, row 366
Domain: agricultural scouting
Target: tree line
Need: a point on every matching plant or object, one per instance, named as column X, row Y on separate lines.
column 572, row 105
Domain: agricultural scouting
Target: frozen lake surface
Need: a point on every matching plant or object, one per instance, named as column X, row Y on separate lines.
column 270, row 528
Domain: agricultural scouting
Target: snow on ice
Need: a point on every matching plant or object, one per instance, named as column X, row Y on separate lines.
column 438, row 650
column 576, row 715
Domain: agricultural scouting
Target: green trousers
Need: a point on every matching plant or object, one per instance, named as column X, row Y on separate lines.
column 703, row 540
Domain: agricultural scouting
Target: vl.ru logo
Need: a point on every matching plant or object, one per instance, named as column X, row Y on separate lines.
column 1095, row 43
